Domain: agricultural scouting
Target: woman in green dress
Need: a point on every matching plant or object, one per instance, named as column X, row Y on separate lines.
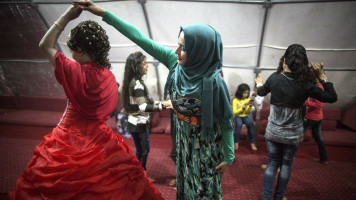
column 200, row 99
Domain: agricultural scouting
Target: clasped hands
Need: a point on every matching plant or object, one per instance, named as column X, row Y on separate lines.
column 167, row 104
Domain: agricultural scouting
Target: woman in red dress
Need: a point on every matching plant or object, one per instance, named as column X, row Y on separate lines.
column 82, row 158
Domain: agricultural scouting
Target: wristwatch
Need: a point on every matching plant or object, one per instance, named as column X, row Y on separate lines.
column 324, row 81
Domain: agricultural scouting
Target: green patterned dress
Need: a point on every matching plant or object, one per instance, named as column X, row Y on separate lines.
column 199, row 150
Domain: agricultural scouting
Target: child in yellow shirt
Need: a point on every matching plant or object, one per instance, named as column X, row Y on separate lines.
column 242, row 107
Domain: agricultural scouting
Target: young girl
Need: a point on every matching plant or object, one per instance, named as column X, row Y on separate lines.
column 137, row 104
column 242, row 107
column 83, row 158
column 313, row 117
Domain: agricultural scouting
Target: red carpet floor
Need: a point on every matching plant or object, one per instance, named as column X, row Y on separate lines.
column 243, row 180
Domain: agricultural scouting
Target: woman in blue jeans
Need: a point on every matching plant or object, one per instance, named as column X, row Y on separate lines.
column 290, row 86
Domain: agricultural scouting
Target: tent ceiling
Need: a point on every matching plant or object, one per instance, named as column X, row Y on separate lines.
column 326, row 28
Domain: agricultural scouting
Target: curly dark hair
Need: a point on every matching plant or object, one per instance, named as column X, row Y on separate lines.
column 90, row 37
column 133, row 69
column 241, row 89
column 297, row 61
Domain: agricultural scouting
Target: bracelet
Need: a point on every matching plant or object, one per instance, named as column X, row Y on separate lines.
column 59, row 26
column 259, row 84
column 323, row 81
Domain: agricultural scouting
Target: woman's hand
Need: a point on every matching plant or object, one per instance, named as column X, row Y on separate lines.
column 167, row 104
column 91, row 7
column 259, row 80
column 72, row 12
column 318, row 69
column 221, row 167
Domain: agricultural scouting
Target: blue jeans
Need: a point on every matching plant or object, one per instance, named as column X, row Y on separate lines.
column 250, row 128
column 316, row 133
column 142, row 144
column 279, row 155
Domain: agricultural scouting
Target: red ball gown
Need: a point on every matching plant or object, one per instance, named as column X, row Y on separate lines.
column 83, row 158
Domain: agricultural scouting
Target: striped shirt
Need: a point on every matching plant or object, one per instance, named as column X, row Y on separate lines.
column 141, row 105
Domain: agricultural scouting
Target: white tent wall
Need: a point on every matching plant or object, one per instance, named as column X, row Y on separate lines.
column 29, row 79
column 23, row 67
column 326, row 28
column 165, row 19
column 239, row 26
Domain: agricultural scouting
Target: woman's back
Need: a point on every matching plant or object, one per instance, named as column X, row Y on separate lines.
column 285, row 91
column 91, row 90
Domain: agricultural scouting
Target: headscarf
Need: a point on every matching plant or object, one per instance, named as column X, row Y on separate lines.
column 200, row 74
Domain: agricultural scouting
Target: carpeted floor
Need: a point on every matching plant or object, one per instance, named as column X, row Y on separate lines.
column 243, row 180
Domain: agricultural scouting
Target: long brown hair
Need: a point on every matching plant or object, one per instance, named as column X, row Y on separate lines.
column 133, row 69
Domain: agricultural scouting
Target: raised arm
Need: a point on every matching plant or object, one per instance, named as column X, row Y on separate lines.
column 329, row 95
column 262, row 89
column 48, row 42
column 164, row 55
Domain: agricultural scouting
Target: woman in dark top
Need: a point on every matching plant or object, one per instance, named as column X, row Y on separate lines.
column 290, row 86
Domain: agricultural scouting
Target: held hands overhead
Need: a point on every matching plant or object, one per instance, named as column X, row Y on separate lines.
column 318, row 69
column 72, row 12
column 90, row 6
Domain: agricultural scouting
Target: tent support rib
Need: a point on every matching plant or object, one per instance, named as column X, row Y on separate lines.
column 155, row 62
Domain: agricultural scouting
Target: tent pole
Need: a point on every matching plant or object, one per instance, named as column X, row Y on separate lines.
column 267, row 5
column 155, row 62
column 44, row 22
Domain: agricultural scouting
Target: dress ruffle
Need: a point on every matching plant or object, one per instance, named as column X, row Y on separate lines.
column 84, row 159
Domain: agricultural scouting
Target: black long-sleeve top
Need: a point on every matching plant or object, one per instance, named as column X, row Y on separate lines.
column 285, row 123
column 286, row 92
